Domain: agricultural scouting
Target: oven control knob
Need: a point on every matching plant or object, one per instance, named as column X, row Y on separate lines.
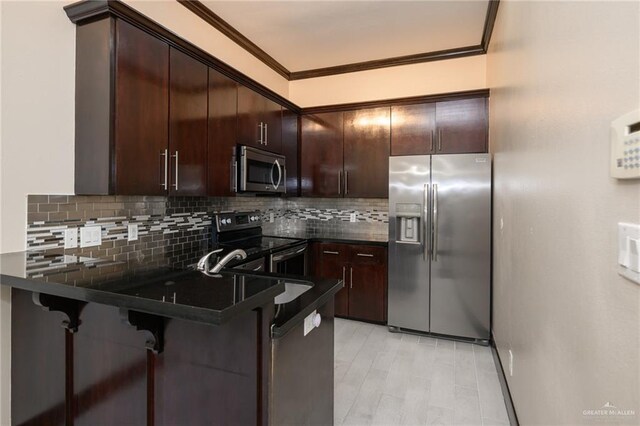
column 317, row 319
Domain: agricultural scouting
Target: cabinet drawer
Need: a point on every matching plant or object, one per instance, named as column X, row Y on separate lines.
column 340, row 251
column 371, row 255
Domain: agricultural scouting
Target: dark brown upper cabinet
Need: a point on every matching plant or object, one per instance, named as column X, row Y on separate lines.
column 290, row 149
column 447, row 127
column 223, row 102
column 366, row 152
column 122, row 104
column 321, row 157
column 462, row 126
column 259, row 121
column 187, row 125
column 413, row 129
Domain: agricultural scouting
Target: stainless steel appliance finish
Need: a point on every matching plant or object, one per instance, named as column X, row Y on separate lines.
column 301, row 385
column 291, row 261
column 260, row 171
column 440, row 244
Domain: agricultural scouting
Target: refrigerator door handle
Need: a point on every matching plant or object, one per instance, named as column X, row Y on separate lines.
column 435, row 222
column 425, row 209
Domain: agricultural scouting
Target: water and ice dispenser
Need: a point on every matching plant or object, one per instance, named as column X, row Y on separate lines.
column 408, row 216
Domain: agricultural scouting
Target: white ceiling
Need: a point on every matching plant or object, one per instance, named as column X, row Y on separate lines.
column 304, row 35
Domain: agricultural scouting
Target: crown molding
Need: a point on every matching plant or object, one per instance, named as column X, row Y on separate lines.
column 206, row 14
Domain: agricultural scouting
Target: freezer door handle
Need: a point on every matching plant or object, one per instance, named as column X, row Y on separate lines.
column 435, row 222
column 425, row 209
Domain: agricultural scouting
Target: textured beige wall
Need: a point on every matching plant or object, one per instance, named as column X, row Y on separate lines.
column 410, row 80
column 559, row 72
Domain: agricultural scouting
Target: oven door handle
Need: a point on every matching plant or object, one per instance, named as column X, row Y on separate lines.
column 288, row 255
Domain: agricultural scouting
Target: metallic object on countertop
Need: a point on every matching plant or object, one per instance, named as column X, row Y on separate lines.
column 440, row 244
column 238, row 254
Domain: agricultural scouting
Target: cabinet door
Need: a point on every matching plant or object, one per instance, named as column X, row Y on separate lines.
column 462, row 126
column 141, row 112
column 333, row 263
column 251, row 106
column 321, row 155
column 290, row 150
column 366, row 152
column 413, row 129
column 187, row 125
column 368, row 283
column 223, row 98
column 272, row 119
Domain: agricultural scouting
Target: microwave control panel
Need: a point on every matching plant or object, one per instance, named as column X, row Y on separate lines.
column 625, row 146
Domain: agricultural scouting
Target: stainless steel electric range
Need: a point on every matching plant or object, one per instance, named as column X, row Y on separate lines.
column 243, row 230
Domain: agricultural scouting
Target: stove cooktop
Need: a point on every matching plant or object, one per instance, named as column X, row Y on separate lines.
column 261, row 244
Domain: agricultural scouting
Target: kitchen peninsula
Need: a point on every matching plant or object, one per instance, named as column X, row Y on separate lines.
column 139, row 341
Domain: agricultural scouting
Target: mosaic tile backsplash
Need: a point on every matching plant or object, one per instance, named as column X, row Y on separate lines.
column 184, row 223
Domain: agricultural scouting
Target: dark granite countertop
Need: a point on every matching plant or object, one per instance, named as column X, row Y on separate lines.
column 145, row 284
column 335, row 237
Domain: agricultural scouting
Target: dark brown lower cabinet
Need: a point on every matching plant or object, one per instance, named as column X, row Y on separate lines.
column 364, row 271
column 106, row 373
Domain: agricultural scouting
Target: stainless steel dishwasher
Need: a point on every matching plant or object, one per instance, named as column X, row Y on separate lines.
column 301, row 385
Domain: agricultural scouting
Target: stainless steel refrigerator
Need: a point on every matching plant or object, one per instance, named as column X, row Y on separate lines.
column 440, row 244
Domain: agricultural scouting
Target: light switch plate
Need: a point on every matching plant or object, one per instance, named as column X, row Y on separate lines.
column 70, row 238
column 132, row 232
column 90, row 236
column 629, row 251
column 352, row 217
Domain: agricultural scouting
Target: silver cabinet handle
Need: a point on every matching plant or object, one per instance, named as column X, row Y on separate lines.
column 346, row 182
column 433, row 137
column 439, row 139
column 364, row 254
column 344, row 272
column 350, row 277
column 261, row 133
column 234, row 178
column 330, row 252
column 266, row 134
column 339, row 182
column 425, row 209
column 258, row 268
column 435, row 222
column 165, row 154
column 176, row 157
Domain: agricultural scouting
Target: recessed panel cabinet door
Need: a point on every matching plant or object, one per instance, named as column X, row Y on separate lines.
column 141, row 112
column 187, row 125
column 366, row 152
column 321, row 155
column 413, row 129
column 462, row 126
column 223, row 98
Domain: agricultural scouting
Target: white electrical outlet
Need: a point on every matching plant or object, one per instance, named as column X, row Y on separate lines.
column 352, row 217
column 70, row 238
column 132, row 232
column 90, row 236
column 510, row 363
column 271, row 218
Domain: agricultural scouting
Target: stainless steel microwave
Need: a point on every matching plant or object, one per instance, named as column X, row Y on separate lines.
column 260, row 171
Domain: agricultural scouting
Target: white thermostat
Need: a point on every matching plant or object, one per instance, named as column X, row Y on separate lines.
column 625, row 146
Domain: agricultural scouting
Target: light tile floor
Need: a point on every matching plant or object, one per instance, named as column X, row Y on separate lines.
column 384, row 378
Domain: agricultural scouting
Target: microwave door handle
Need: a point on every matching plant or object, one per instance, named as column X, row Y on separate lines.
column 271, row 176
column 277, row 165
